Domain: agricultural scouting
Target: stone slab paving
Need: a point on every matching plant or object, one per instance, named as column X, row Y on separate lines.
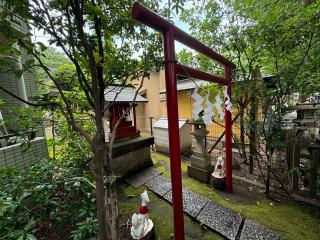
column 140, row 178
column 159, row 185
column 216, row 217
column 254, row 231
column 192, row 202
column 223, row 220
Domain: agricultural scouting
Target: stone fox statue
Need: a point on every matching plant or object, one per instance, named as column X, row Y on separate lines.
column 141, row 224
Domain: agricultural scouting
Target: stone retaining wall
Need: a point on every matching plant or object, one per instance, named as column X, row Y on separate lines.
column 131, row 155
column 21, row 156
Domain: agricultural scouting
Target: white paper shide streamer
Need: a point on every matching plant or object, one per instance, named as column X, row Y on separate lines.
column 227, row 102
column 208, row 112
column 197, row 106
column 218, row 106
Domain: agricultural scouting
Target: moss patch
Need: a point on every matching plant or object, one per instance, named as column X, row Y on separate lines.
column 161, row 215
column 287, row 219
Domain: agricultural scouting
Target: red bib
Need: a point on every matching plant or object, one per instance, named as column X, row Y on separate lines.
column 143, row 210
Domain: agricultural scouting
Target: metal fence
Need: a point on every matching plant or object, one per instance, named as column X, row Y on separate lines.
column 303, row 159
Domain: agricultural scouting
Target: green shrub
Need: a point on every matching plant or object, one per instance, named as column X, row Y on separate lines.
column 47, row 199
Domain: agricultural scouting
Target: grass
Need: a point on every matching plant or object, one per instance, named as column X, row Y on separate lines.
column 291, row 221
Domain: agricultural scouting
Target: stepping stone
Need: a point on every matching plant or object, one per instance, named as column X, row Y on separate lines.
column 140, row 178
column 254, row 231
column 192, row 202
column 220, row 219
column 159, row 185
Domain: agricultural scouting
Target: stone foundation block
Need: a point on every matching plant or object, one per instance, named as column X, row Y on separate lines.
column 199, row 174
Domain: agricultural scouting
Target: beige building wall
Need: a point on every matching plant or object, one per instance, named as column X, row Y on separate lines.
column 185, row 104
column 150, row 90
column 157, row 105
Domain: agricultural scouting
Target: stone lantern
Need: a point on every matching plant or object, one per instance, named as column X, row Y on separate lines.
column 199, row 167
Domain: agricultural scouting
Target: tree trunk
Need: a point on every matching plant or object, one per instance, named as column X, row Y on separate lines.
column 256, row 75
column 103, row 194
column 253, row 143
column 107, row 208
column 100, row 191
column 113, row 210
column 242, row 134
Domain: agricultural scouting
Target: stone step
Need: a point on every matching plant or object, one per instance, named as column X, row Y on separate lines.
column 192, row 202
column 159, row 185
column 220, row 219
column 253, row 231
column 140, row 178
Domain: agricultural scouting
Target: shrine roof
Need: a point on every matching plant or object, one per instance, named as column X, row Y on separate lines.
column 117, row 93
column 188, row 84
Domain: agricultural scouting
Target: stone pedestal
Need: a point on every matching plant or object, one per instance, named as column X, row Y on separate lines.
column 199, row 174
column 200, row 160
column 150, row 235
column 131, row 155
column 149, row 228
column 218, row 183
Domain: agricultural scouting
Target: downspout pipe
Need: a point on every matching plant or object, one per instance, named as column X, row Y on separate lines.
column 21, row 88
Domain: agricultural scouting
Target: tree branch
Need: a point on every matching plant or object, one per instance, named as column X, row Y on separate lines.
column 27, row 102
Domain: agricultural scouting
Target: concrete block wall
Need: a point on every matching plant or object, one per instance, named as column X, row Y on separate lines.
column 8, row 80
column 20, row 156
column 30, row 82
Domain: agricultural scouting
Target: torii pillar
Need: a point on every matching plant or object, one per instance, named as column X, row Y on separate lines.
column 170, row 34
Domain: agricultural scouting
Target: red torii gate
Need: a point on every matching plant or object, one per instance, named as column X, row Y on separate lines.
column 170, row 33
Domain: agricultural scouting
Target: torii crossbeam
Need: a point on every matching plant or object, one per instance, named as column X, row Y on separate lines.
column 172, row 68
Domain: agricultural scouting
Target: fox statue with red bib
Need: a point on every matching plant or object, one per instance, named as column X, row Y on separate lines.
column 141, row 224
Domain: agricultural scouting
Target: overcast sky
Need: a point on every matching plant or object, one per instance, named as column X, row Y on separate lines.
column 39, row 36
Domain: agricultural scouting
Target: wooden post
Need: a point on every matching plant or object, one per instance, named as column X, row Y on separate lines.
column 151, row 129
column 268, row 180
column 314, row 150
column 53, row 135
column 134, row 118
column 293, row 157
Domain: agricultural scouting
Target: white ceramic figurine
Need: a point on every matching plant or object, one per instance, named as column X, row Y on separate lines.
column 141, row 224
column 219, row 168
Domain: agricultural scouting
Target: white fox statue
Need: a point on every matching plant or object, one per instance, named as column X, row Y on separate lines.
column 141, row 224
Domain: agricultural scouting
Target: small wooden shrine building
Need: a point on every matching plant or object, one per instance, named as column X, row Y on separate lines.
column 130, row 151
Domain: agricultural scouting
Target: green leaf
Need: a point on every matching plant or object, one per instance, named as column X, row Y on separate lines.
column 24, row 195
column 31, row 237
column 42, row 46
